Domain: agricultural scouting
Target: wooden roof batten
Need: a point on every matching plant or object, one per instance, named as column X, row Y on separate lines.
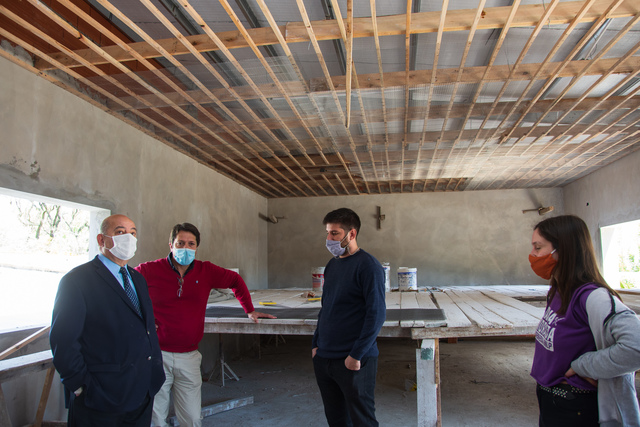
column 276, row 30
column 548, row 83
column 89, row 19
column 351, row 71
column 316, row 47
column 609, row 94
column 477, row 181
column 51, row 14
column 423, row 22
column 246, row 77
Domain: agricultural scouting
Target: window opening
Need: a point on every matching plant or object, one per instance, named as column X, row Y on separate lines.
column 41, row 239
column 621, row 254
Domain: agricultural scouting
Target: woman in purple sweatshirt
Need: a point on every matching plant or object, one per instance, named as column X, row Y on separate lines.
column 587, row 343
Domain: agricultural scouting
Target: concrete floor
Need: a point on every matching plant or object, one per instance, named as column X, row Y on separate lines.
column 483, row 383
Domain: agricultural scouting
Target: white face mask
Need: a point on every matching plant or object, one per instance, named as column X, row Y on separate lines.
column 124, row 246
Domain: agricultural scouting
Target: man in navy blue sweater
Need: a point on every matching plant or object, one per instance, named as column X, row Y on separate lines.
column 344, row 349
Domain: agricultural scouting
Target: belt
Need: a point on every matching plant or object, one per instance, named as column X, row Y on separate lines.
column 566, row 391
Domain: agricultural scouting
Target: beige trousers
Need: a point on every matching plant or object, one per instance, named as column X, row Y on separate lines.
column 184, row 381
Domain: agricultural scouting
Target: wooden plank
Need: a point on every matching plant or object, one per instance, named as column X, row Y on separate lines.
column 409, row 300
column 428, row 380
column 23, row 365
column 472, row 331
column 271, row 327
column 478, row 313
column 504, row 307
column 44, row 397
column 454, row 316
column 425, row 301
column 24, row 342
column 393, row 300
column 536, row 312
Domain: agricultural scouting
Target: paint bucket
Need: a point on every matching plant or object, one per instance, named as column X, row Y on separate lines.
column 387, row 273
column 407, row 279
column 317, row 278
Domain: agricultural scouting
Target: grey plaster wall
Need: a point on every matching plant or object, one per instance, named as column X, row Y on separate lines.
column 468, row 238
column 55, row 145
column 606, row 197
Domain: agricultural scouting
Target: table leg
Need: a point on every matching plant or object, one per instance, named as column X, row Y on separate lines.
column 428, row 380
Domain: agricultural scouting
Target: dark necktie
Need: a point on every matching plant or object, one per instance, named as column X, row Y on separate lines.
column 130, row 293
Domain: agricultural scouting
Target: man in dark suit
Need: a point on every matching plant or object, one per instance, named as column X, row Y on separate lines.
column 103, row 335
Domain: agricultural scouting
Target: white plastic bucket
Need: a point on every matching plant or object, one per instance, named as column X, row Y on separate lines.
column 407, row 279
column 317, row 278
column 387, row 273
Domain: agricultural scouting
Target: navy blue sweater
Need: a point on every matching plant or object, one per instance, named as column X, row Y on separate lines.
column 353, row 308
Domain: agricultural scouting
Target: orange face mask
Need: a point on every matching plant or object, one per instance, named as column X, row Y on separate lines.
column 543, row 266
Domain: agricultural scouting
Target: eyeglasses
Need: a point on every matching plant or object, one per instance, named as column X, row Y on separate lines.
column 180, row 282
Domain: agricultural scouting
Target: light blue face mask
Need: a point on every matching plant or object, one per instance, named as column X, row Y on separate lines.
column 184, row 256
column 335, row 247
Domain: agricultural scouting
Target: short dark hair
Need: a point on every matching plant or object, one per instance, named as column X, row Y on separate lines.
column 347, row 219
column 577, row 263
column 185, row 226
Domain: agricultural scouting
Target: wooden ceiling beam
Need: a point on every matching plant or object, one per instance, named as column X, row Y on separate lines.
column 153, row 9
column 184, row 145
column 438, row 112
column 422, row 22
column 352, row 72
column 456, row 85
column 287, row 51
column 619, row 36
column 446, row 76
column 524, row 93
column 496, row 50
column 376, row 40
column 323, row 65
column 379, row 142
column 300, row 148
column 549, row 10
column 434, row 70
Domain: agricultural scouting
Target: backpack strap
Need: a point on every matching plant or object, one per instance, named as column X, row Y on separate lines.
column 613, row 309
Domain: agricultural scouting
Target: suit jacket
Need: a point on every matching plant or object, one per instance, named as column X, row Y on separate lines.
column 99, row 341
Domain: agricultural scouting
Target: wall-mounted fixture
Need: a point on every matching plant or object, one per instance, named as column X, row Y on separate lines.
column 380, row 217
column 272, row 218
column 541, row 210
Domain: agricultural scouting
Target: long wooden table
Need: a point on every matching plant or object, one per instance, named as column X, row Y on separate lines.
column 470, row 311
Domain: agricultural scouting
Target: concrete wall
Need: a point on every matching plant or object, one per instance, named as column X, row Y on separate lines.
column 55, row 145
column 468, row 238
column 606, row 197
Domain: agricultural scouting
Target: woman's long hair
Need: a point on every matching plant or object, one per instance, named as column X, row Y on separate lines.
column 577, row 264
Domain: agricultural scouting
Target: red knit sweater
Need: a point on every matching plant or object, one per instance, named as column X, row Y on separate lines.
column 180, row 320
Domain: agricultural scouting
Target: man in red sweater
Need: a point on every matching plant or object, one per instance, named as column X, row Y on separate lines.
column 179, row 287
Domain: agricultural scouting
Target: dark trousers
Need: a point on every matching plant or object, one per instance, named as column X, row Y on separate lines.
column 81, row 416
column 578, row 410
column 348, row 396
